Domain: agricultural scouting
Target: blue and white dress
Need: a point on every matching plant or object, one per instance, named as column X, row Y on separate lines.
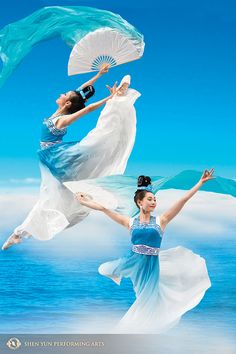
column 58, row 156
column 166, row 283
column 103, row 152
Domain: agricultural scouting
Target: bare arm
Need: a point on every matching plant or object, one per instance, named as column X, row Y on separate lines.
column 120, row 219
column 102, row 71
column 167, row 216
column 71, row 118
column 68, row 119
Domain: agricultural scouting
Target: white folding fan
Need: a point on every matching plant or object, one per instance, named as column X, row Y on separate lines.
column 100, row 47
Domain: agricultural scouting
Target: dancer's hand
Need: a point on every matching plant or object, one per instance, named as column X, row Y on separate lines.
column 86, row 201
column 120, row 219
column 104, row 69
column 206, row 176
column 168, row 215
column 112, row 89
column 81, row 197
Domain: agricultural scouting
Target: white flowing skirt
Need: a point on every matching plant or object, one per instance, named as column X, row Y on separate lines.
column 166, row 287
column 103, row 152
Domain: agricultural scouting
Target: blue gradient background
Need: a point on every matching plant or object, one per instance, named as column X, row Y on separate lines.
column 186, row 115
column 186, row 119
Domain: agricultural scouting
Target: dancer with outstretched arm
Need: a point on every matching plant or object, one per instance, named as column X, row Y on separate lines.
column 167, row 283
column 104, row 151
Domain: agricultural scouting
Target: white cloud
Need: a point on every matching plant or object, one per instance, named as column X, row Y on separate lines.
column 28, row 180
column 96, row 235
column 187, row 337
column 207, row 214
column 18, row 182
column 14, row 207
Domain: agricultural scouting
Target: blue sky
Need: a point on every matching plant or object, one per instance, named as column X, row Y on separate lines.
column 186, row 115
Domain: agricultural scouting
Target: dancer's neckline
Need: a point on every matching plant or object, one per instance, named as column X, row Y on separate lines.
column 144, row 222
column 52, row 116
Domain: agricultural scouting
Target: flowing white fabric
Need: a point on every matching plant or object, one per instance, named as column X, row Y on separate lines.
column 103, row 152
column 165, row 296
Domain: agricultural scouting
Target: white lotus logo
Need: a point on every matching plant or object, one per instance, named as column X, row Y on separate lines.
column 13, row 343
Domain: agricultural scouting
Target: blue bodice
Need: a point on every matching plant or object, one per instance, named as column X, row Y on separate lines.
column 149, row 234
column 50, row 133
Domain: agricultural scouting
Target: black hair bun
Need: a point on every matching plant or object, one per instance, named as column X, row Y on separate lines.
column 88, row 91
column 143, row 181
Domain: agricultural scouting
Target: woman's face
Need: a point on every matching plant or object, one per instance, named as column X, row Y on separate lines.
column 64, row 98
column 148, row 203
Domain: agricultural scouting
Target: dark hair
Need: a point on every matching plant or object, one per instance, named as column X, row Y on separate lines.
column 77, row 103
column 77, row 100
column 143, row 181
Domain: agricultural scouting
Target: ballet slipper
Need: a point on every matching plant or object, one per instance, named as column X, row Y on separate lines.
column 12, row 240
